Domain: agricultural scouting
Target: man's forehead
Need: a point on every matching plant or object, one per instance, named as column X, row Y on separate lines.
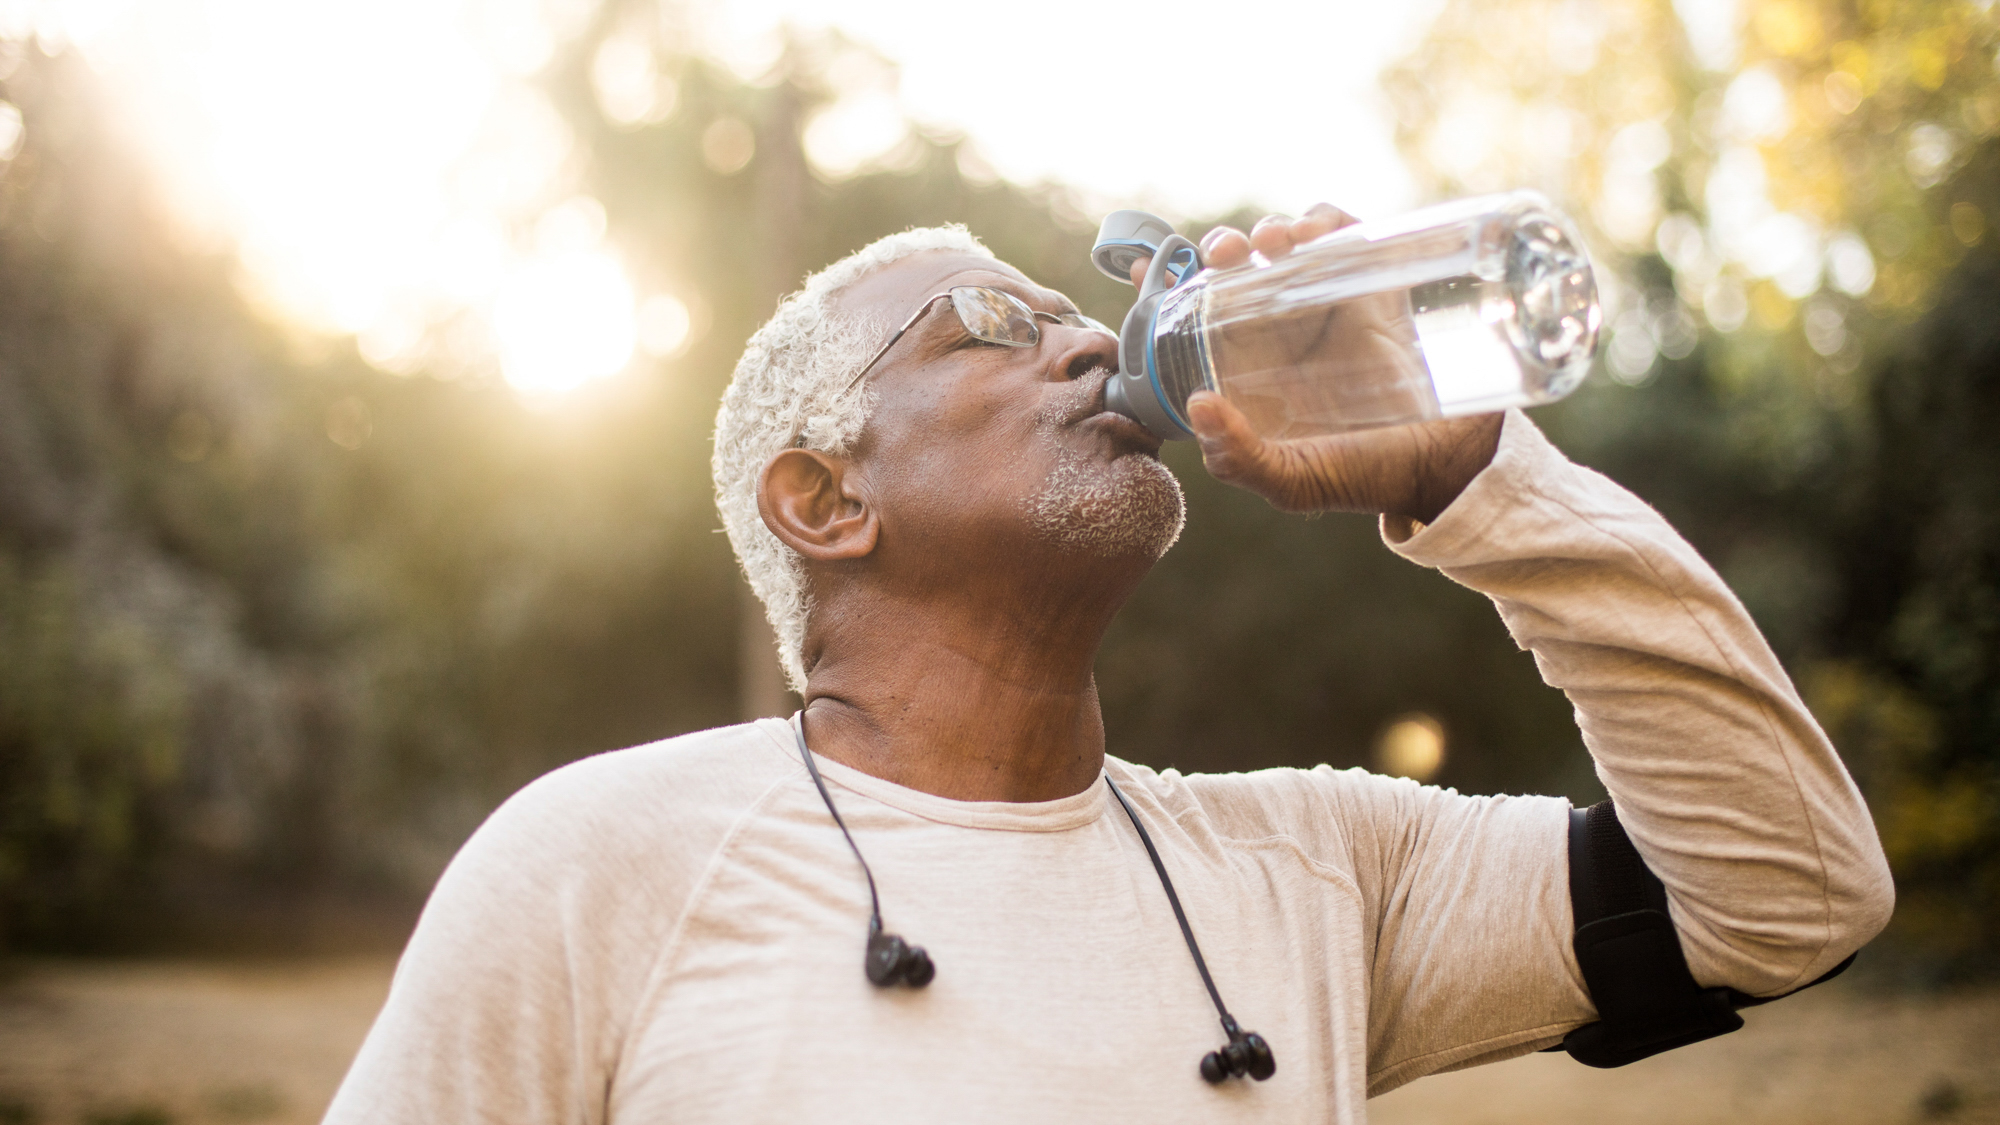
column 892, row 292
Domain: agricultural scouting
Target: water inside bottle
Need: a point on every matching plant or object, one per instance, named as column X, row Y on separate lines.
column 1436, row 350
column 1304, row 350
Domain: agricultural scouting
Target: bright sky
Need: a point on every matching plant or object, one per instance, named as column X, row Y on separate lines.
column 1196, row 106
column 376, row 161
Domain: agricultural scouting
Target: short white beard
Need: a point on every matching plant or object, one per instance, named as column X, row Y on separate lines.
column 1131, row 507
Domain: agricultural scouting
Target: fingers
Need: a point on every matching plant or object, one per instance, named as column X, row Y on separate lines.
column 1221, row 248
column 1319, row 219
column 1275, row 236
column 1230, row 450
column 1225, row 248
column 1272, row 236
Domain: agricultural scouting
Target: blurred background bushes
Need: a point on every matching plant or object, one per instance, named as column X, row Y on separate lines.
column 1802, row 363
column 278, row 628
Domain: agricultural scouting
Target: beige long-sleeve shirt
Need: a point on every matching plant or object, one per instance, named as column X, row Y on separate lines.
column 673, row 933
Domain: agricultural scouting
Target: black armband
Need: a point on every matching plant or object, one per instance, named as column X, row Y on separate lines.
column 1647, row 1000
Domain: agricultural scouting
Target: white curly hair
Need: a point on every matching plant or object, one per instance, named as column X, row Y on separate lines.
column 792, row 385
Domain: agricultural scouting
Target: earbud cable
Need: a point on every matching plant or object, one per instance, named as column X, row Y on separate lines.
column 1167, row 884
column 874, row 902
column 1228, row 1021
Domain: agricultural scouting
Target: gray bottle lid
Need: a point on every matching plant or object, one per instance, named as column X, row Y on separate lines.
column 1123, row 238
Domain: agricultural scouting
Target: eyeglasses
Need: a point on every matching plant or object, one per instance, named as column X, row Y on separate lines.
column 990, row 315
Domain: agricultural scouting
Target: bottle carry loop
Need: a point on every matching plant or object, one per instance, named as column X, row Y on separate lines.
column 1135, row 391
column 1647, row 1000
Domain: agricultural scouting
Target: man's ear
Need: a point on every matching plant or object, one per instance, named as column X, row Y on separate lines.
column 811, row 504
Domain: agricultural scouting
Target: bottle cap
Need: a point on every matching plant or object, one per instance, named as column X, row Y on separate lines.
column 1125, row 237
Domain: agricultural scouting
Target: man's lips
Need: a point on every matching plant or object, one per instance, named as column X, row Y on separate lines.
column 1123, row 431
column 1092, row 415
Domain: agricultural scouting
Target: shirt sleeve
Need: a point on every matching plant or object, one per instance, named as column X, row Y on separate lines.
column 513, row 996
column 1726, row 784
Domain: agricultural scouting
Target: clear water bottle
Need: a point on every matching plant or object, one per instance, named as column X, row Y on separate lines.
column 1463, row 308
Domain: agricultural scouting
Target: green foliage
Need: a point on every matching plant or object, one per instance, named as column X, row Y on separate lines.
column 1262, row 639
column 271, row 619
column 1819, row 426
column 1923, row 616
column 92, row 716
column 276, row 622
column 119, row 676
column 242, row 658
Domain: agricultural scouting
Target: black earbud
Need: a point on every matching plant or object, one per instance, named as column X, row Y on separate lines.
column 892, row 961
column 1245, row 1053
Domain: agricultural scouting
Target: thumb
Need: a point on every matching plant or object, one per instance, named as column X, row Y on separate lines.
column 1231, row 450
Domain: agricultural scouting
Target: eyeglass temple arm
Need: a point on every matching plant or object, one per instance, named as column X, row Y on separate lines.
column 884, row 350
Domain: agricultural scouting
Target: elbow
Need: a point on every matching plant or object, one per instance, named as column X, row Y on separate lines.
column 1860, row 899
column 1859, row 895
column 1780, row 951
column 1860, row 905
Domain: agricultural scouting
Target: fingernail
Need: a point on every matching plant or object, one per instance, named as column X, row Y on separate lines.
column 1201, row 415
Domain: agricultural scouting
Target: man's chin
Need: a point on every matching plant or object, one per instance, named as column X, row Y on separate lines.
column 1132, row 507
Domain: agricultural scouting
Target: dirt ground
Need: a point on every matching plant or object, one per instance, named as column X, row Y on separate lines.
column 1832, row 1056
column 167, row 1043
column 181, row 1043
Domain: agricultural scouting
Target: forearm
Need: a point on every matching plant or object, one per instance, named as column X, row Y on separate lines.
column 1724, row 781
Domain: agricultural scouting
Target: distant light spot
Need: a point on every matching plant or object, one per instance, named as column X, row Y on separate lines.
column 1968, row 222
column 664, row 326
column 348, row 423
column 12, row 131
column 727, row 145
column 1412, row 747
column 564, row 320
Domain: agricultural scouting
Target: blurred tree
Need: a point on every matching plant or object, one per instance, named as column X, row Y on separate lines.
column 1261, row 639
column 272, row 622
column 1792, row 198
column 275, row 619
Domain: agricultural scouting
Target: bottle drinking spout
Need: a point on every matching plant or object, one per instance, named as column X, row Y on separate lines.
column 1116, row 401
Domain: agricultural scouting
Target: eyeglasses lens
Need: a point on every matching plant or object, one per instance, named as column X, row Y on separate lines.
column 994, row 316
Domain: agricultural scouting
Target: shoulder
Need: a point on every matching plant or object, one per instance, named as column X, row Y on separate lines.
column 640, row 822
column 527, row 962
column 677, row 789
column 1325, row 807
column 693, row 772
column 1273, row 802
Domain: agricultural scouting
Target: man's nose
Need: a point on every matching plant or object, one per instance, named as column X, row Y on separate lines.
column 1084, row 350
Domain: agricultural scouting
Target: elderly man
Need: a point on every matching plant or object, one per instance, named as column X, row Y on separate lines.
column 942, row 523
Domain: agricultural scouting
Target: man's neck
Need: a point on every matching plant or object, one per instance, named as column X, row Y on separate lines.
column 937, row 699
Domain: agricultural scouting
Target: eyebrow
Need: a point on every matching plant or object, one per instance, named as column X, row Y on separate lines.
column 1027, row 291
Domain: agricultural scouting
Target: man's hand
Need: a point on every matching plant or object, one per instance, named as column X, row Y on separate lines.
column 1413, row 471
